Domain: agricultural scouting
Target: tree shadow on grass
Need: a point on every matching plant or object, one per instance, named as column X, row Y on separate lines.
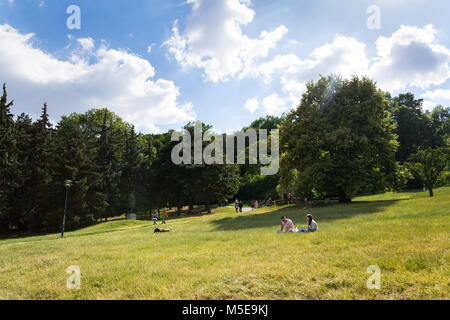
column 324, row 213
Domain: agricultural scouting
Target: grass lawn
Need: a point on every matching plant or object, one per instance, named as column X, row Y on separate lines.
column 226, row 255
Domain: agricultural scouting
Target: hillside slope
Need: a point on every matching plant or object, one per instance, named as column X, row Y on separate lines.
column 239, row 256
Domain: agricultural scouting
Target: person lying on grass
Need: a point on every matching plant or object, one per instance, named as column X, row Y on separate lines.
column 287, row 225
column 312, row 225
column 157, row 230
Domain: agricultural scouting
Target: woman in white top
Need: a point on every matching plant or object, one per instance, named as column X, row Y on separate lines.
column 287, row 225
column 312, row 225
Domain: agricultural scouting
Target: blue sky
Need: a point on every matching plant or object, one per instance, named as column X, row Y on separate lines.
column 225, row 62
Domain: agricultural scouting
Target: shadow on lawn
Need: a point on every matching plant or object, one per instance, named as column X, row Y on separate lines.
column 298, row 214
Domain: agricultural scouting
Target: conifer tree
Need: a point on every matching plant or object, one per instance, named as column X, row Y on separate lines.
column 130, row 171
column 108, row 166
column 8, row 160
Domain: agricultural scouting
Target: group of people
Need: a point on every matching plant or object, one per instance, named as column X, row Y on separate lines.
column 288, row 226
column 156, row 215
column 238, row 205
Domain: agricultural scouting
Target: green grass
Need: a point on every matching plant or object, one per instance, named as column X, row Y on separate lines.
column 239, row 256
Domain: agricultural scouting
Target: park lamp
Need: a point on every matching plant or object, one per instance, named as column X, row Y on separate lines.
column 67, row 184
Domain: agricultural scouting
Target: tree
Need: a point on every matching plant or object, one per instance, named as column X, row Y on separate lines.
column 440, row 126
column 340, row 141
column 130, row 176
column 268, row 123
column 109, row 164
column 35, row 163
column 8, row 160
column 428, row 164
column 190, row 184
column 413, row 126
column 253, row 185
column 86, row 202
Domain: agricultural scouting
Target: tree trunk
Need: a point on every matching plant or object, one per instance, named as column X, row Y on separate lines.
column 344, row 198
column 430, row 191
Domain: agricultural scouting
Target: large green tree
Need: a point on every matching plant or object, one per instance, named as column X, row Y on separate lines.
column 34, row 172
column 253, row 185
column 130, row 179
column 339, row 141
column 413, row 127
column 190, row 184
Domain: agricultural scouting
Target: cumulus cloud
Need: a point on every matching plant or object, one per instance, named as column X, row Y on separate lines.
column 252, row 105
column 86, row 43
column 274, row 105
column 412, row 56
column 429, row 105
column 440, row 95
column 344, row 56
column 271, row 105
column 214, row 42
column 92, row 77
column 436, row 97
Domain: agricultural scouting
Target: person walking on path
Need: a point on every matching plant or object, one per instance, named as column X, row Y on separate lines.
column 155, row 218
column 163, row 215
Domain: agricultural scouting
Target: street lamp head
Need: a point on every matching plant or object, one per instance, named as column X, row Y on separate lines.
column 68, row 183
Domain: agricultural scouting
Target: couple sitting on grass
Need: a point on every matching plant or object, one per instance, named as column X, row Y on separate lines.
column 288, row 226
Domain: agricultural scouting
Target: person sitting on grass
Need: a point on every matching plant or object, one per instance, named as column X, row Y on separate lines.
column 286, row 225
column 312, row 225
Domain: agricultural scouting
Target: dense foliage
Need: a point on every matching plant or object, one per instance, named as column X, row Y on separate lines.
column 342, row 139
column 346, row 137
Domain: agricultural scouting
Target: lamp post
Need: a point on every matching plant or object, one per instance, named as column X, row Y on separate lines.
column 67, row 184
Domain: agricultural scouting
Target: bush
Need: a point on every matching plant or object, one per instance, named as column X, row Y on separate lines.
column 444, row 179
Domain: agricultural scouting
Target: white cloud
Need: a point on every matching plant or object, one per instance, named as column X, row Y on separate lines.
column 100, row 77
column 438, row 95
column 274, row 105
column 271, row 105
column 411, row 57
column 252, row 105
column 344, row 56
column 214, row 42
column 86, row 43
column 429, row 105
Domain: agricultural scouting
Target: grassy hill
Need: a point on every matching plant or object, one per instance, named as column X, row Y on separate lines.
column 239, row 256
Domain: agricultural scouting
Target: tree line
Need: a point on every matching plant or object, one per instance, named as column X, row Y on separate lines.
column 114, row 170
column 345, row 138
